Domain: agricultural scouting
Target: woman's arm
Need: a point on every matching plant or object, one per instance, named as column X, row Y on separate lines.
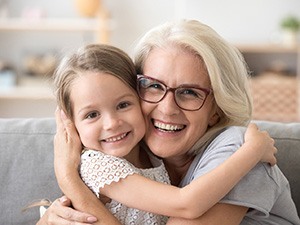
column 201, row 194
column 80, row 195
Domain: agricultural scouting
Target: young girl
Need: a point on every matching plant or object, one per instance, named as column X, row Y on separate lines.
column 96, row 88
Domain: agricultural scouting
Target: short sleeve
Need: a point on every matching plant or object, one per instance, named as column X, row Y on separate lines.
column 258, row 190
column 98, row 169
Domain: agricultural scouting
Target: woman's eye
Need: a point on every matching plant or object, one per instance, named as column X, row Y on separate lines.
column 194, row 93
column 92, row 115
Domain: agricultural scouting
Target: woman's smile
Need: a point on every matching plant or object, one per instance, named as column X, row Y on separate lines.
column 167, row 127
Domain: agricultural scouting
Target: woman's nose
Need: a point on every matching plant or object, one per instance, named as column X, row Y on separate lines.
column 168, row 105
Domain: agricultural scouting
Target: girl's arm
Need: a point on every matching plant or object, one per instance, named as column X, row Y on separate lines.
column 189, row 202
column 201, row 194
column 225, row 214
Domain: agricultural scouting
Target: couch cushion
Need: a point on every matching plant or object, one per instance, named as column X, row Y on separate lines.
column 26, row 165
column 287, row 141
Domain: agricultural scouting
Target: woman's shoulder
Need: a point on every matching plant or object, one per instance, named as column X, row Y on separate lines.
column 232, row 135
column 217, row 151
column 233, row 131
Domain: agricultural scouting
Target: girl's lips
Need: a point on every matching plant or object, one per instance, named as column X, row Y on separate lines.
column 167, row 127
column 116, row 138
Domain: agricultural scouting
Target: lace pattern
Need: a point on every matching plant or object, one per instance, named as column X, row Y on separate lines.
column 98, row 169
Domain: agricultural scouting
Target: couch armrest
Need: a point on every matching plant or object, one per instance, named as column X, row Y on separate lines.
column 26, row 164
column 287, row 141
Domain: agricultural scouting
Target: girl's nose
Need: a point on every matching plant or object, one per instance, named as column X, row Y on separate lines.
column 110, row 121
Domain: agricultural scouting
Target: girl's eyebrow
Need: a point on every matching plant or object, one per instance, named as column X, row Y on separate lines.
column 87, row 107
column 90, row 106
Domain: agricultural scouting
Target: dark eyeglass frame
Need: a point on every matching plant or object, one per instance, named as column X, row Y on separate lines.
column 207, row 91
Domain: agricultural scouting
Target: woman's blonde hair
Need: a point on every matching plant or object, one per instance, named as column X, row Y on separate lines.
column 225, row 66
column 97, row 58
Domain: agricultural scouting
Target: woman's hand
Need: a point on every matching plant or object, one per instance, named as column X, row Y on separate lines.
column 60, row 213
column 261, row 140
column 67, row 147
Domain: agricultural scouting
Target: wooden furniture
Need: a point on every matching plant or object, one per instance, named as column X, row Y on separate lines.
column 275, row 97
column 275, row 84
column 277, row 57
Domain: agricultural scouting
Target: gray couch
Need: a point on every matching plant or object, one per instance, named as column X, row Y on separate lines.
column 26, row 162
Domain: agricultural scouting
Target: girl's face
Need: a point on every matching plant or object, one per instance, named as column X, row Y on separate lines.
column 107, row 114
column 174, row 67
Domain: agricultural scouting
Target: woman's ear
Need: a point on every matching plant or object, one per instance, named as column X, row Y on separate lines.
column 215, row 115
column 214, row 119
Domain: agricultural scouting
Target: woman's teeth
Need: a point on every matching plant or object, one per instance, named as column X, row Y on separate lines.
column 168, row 127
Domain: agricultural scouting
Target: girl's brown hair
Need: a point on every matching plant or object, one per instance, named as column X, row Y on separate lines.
column 98, row 58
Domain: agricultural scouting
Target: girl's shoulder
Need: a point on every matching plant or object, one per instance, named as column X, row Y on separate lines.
column 98, row 169
column 90, row 158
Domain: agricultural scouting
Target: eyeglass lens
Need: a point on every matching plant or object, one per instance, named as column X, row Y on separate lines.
column 187, row 98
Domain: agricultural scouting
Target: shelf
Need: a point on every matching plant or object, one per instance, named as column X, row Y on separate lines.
column 26, row 93
column 267, row 48
column 262, row 57
column 32, row 88
column 51, row 24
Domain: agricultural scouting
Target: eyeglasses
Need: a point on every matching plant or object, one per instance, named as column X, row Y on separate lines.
column 186, row 97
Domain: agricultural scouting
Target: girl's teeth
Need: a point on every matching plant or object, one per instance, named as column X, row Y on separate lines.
column 113, row 139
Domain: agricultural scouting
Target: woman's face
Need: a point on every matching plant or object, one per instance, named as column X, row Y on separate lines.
column 174, row 67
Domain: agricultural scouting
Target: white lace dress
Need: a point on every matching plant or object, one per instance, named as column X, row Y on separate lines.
column 98, row 169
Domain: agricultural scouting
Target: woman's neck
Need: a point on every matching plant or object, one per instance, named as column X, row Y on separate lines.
column 177, row 167
column 139, row 158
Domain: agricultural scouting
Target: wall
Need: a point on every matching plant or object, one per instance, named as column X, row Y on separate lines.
column 238, row 21
column 248, row 21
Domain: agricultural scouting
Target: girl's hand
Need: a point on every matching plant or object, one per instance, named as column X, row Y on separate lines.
column 261, row 141
column 67, row 146
column 60, row 213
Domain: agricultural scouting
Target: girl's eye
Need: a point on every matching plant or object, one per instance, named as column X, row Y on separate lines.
column 92, row 115
column 123, row 105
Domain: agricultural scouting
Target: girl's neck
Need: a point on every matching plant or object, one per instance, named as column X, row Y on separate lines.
column 177, row 167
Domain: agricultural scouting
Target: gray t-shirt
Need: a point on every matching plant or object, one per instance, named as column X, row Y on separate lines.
column 264, row 190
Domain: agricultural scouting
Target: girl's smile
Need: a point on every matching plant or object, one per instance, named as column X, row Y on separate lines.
column 108, row 117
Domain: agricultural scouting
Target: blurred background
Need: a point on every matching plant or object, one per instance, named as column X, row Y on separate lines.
column 34, row 34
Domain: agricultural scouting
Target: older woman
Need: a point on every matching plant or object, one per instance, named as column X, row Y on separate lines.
column 194, row 138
